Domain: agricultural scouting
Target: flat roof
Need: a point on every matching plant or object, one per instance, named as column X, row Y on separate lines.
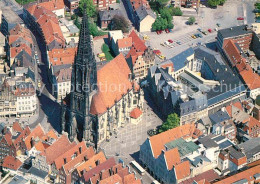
column 184, row 147
column 234, row 31
column 10, row 15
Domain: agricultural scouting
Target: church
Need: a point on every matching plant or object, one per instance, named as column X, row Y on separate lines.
column 101, row 100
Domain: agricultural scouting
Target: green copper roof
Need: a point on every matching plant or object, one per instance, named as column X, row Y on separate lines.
column 184, row 147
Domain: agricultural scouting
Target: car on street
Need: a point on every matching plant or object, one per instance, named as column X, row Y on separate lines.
column 170, row 41
column 240, row 18
column 37, row 58
column 39, row 84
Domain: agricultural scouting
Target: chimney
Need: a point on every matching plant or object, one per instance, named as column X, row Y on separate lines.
column 80, row 149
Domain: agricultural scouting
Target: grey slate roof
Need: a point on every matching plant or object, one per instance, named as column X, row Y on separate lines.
column 108, row 14
column 198, row 103
column 18, row 179
column 38, row 173
column 219, row 117
column 251, row 147
column 179, row 61
column 234, row 31
column 207, row 141
column 142, row 12
column 230, row 83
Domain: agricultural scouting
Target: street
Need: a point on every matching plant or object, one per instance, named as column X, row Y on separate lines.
column 48, row 111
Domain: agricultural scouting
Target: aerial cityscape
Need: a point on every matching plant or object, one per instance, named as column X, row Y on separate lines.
column 129, row 91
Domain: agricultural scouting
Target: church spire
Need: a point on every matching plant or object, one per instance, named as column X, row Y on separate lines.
column 84, row 54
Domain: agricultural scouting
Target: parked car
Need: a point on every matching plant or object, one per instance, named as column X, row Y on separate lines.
column 204, row 32
column 159, row 32
column 200, row 35
column 167, row 30
column 218, row 24
column 170, row 41
column 179, row 43
column 210, row 30
column 240, row 18
column 162, row 57
column 157, row 52
column 199, row 29
column 146, row 37
column 193, row 36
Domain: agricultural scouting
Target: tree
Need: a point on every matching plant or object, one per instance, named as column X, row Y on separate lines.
column 119, row 22
column 76, row 22
column 192, row 20
column 213, row 3
column 175, row 11
column 172, row 121
column 91, row 9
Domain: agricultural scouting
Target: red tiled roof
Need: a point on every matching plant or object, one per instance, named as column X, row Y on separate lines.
column 172, row 157
column 48, row 23
column 124, row 42
column 63, row 75
column 39, row 146
column 53, row 5
column 98, row 169
column 113, row 82
column 252, row 124
column 158, row 141
column 11, row 163
column 59, row 147
column 112, row 180
column 62, row 56
column 19, row 32
column 136, row 113
column 247, row 174
column 22, row 136
column 37, row 132
column 138, row 44
column 14, row 51
column 8, row 138
column 91, row 163
column 234, row 55
column 203, row 181
column 182, row 170
column 59, row 162
column 16, row 127
column 208, row 175
column 73, row 164
column 251, row 79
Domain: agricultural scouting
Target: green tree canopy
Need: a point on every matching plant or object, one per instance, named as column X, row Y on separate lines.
column 175, row 11
column 91, row 9
column 192, row 20
column 119, row 23
column 213, row 3
column 172, row 121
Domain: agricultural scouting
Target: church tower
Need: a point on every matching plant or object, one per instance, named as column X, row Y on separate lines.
column 79, row 122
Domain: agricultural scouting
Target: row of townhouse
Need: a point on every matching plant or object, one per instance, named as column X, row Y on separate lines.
column 139, row 57
column 179, row 154
column 73, row 162
column 17, row 97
